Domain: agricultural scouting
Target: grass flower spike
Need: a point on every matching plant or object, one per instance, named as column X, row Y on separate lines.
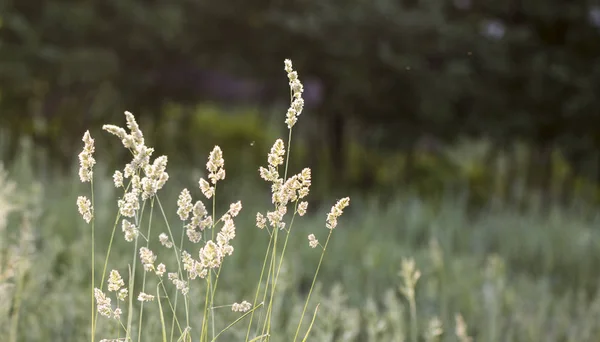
column 144, row 297
column 115, row 282
column 184, row 205
column 336, row 211
column 312, row 241
column 86, row 159
column 85, row 208
column 178, row 279
column 296, row 89
column 129, row 229
column 241, row 307
column 118, row 179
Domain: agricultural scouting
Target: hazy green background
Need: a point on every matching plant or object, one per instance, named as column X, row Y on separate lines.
column 466, row 133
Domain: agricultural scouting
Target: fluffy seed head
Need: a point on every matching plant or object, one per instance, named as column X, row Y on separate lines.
column 296, row 89
column 144, row 297
column 160, row 269
column 115, row 282
column 241, row 307
column 411, row 275
column 193, row 235
column 215, row 165
column 434, row 329
column 184, row 205
column 461, row 329
column 235, row 208
column 206, row 189
column 122, row 295
column 277, row 152
column 336, row 211
column 118, row 179
column 147, row 258
column 312, row 241
column 130, row 203
column 117, row 313
column 85, row 208
column 261, row 221
column 164, row 240
column 302, row 208
column 103, row 303
column 131, row 232
column 86, row 158
column 156, row 177
column 211, row 255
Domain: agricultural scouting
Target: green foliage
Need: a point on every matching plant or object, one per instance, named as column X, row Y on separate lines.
column 539, row 266
column 190, row 133
column 395, row 69
column 485, row 174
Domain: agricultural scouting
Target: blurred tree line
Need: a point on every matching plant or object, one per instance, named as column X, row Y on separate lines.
column 388, row 72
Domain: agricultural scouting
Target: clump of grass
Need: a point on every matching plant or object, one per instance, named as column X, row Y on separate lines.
column 209, row 231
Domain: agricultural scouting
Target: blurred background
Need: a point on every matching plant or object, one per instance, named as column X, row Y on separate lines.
column 466, row 131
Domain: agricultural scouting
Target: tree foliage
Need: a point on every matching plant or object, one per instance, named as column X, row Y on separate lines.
column 391, row 71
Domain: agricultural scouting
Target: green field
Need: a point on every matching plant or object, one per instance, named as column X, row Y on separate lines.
column 526, row 275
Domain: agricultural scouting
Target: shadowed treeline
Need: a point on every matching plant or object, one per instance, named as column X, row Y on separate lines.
column 382, row 75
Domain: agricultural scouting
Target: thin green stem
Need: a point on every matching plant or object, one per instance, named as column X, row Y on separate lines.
column 176, row 258
column 266, row 325
column 185, row 298
column 267, row 285
column 289, row 231
column 203, row 332
column 273, row 286
column 144, row 276
column 311, row 323
column 131, row 284
column 110, row 242
column 162, row 316
column 175, row 320
column 209, row 288
column 262, row 271
column 413, row 318
column 214, row 210
column 105, row 267
column 112, row 237
column 212, row 298
column 312, row 285
column 287, row 157
column 237, row 320
column 93, row 334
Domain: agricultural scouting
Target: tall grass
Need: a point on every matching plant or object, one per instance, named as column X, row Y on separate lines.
column 512, row 274
column 169, row 285
column 406, row 271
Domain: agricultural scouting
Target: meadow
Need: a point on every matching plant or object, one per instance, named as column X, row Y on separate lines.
column 406, row 269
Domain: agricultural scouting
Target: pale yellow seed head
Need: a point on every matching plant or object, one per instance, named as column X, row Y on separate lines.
column 85, row 208
column 312, row 241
